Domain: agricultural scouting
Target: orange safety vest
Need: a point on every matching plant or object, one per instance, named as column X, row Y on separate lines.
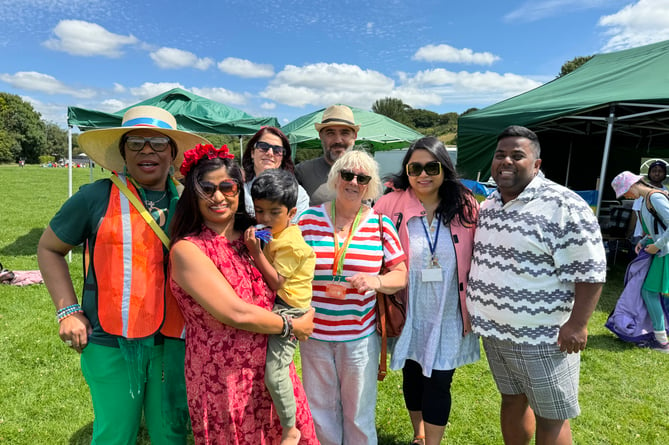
column 133, row 299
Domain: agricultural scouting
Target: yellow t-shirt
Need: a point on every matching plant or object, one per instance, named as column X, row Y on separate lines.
column 294, row 260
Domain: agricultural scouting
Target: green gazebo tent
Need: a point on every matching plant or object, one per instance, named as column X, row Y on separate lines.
column 192, row 113
column 377, row 132
column 616, row 103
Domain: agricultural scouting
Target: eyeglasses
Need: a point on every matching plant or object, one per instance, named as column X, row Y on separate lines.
column 278, row 150
column 227, row 188
column 348, row 176
column 157, row 143
column 432, row 168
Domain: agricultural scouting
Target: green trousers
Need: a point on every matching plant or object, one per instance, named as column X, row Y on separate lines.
column 118, row 402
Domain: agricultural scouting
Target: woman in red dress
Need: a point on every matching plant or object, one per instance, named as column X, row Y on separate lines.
column 227, row 308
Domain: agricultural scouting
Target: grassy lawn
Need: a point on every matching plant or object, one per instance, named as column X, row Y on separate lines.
column 44, row 399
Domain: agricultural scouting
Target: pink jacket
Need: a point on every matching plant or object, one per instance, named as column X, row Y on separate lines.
column 407, row 204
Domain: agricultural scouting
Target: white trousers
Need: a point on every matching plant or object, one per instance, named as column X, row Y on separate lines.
column 340, row 382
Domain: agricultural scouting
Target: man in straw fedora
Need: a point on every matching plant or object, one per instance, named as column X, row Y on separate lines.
column 338, row 133
column 126, row 328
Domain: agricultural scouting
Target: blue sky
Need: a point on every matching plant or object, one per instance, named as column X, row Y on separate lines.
column 287, row 58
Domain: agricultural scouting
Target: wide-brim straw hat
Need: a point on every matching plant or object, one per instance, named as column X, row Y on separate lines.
column 337, row 115
column 102, row 145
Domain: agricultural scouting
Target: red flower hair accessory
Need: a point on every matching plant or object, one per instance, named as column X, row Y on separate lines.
column 192, row 156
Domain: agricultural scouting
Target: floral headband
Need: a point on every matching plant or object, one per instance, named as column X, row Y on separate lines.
column 192, row 156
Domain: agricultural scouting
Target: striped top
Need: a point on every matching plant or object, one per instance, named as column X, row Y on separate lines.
column 352, row 317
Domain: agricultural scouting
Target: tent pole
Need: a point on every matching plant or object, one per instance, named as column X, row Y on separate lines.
column 566, row 176
column 69, row 174
column 605, row 157
column 241, row 148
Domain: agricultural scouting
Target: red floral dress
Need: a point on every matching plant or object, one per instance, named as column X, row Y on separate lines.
column 225, row 367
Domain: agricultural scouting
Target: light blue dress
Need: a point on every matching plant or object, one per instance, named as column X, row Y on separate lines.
column 432, row 335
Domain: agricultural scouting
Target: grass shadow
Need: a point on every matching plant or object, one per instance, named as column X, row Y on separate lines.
column 23, row 245
column 84, row 435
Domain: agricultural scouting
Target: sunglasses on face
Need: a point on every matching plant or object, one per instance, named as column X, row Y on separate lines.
column 157, row 143
column 227, row 188
column 278, row 150
column 432, row 168
column 348, row 176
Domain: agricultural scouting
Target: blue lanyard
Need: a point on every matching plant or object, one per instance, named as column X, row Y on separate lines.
column 433, row 246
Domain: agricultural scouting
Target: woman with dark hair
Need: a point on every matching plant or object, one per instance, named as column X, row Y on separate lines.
column 227, row 309
column 269, row 148
column 436, row 218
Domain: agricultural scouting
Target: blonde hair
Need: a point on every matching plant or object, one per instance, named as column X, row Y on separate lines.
column 361, row 160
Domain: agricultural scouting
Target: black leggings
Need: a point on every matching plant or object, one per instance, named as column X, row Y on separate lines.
column 430, row 395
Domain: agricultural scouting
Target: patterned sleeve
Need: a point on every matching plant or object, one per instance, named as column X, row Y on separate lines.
column 392, row 248
column 576, row 243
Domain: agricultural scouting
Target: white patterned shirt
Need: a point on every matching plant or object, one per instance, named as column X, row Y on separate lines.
column 528, row 255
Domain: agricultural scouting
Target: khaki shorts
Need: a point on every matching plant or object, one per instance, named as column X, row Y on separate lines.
column 546, row 375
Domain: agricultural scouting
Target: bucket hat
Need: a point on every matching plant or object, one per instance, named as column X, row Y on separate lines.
column 102, row 145
column 337, row 115
column 623, row 181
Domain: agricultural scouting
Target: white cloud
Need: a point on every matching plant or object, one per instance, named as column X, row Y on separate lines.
column 446, row 53
column 81, row 38
column 323, row 84
column 644, row 22
column 245, row 68
column 534, row 10
column 44, row 83
column 118, row 88
column 172, row 58
column 50, row 112
column 113, row 105
column 221, row 95
column 268, row 106
column 150, row 89
column 422, row 88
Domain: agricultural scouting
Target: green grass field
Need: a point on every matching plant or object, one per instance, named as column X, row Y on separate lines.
column 44, row 399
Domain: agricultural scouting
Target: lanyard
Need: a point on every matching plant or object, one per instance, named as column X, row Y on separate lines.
column 433, row 246
column 340, row 253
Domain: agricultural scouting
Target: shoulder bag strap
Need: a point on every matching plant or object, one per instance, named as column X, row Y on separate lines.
column 382, row 314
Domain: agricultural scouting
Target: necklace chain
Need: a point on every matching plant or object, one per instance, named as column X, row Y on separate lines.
column 151, row 204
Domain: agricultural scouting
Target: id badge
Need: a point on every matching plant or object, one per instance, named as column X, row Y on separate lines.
column 432, row 274
column 335, row 290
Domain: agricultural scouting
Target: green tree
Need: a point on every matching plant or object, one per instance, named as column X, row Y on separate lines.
column 56, row 141
column 574, row 63
column 393, row 108
column 9, row 147
column 23, row 124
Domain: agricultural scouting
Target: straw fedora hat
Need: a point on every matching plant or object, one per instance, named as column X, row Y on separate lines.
column 337, row 115
column 102, row 145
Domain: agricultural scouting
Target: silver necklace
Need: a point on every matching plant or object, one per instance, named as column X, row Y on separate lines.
column 151, row 205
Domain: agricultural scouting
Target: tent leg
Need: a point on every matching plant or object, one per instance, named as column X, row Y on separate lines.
column 69, row 174
column 605, row 157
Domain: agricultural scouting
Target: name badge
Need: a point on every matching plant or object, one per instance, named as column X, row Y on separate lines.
column 334, row 290
column 432, row 274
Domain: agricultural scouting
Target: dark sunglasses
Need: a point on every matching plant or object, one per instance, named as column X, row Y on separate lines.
column 157, row 143
column 348, row 176
column 432, row 168
column 227, row 188
column 278, row 150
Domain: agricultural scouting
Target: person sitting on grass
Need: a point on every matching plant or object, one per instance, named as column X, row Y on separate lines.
column 287, row 263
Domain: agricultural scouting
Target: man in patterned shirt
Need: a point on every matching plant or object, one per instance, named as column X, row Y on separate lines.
column 537, row 272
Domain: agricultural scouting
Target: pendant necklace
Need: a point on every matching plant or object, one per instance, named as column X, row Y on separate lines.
column 151, row 205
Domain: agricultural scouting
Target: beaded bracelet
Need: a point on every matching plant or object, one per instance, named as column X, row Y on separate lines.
column 287, row 326
column 67, row 311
